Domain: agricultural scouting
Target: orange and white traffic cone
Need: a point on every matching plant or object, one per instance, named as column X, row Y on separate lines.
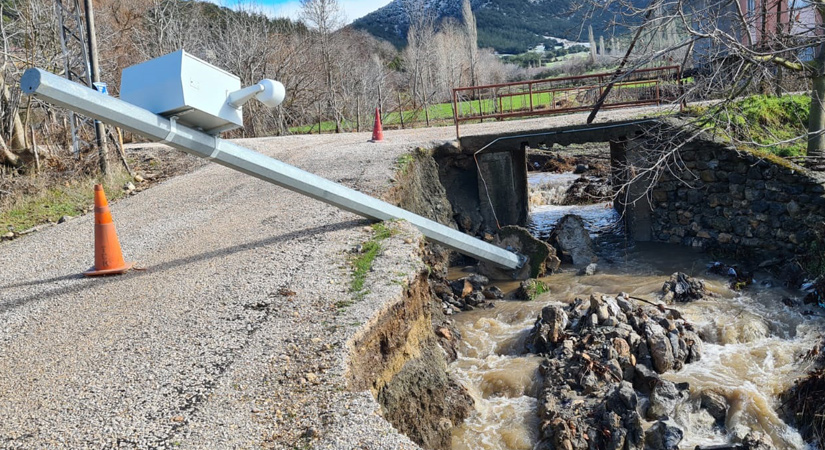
column 108, row 256
column 377, row 131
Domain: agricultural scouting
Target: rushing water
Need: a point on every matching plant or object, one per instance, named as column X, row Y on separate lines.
column 753, row 342
column 549, row 188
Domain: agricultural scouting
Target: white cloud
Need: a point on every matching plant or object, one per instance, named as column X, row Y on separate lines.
column 353, row 9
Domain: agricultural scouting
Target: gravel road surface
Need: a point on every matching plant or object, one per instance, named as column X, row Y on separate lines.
column 228, row 336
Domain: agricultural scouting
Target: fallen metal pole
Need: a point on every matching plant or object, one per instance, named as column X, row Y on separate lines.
column 62, row 92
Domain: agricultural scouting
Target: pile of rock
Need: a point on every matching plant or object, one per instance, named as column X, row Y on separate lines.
column 682, row 288
column 601, row 377
column 466, row 294
column 588, row 190
column 601, row 355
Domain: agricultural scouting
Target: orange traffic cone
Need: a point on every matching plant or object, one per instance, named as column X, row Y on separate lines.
column 108, row 256
column 377, row 131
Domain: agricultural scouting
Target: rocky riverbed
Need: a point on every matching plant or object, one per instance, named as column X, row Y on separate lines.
column 691, row 353
column 602, row 357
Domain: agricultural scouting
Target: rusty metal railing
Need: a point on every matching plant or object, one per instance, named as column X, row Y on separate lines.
column 565, row 95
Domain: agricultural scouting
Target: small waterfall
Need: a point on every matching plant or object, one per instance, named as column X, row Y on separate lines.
column 547, row 193
column 549, row 188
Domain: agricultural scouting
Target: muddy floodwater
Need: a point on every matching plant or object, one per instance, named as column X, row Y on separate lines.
column 752, row 342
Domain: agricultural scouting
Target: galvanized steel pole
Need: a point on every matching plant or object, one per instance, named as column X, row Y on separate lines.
column 100, row 131
column 88, row 102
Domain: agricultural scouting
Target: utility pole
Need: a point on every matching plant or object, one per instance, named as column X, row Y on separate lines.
column 100, row 131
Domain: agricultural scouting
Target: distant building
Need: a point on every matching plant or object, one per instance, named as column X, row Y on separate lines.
column 778, row 17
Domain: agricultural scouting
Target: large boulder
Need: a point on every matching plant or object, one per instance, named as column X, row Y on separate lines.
column 659, row 346
column 663, row 435
column 664, row 399
column 715, row 404
column 572, row 240
column 540, row 258
column 548, row 330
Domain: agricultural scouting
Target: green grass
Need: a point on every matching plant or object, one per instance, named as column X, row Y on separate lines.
column 761, row 122
column 439, row 112
column 403, row 163
column 442, row 113
column 535, row 288
column 362, row 263
column 51, row 204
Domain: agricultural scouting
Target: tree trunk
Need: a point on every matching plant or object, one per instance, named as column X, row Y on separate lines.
column 816, row 117
column 18, row 136
column 8, row 157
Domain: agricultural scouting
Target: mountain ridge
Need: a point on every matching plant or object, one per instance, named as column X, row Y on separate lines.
column 508, row 26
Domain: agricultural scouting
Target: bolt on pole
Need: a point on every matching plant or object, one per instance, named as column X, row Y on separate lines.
column 81, row 99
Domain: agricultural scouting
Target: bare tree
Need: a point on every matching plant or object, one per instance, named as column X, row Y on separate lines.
column 325, row 17
column 472, row 38
column 170, row 25
column 731, row 51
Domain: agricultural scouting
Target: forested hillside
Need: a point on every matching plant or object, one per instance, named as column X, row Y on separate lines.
column 508, row 26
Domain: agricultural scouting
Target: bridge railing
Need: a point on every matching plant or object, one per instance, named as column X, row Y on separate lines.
column 564, row 95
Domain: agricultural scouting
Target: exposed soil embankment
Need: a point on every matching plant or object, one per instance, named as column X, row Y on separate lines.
column 398, row 356
column 398, row 359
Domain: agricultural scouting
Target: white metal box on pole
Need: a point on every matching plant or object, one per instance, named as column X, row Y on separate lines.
column 183, row 86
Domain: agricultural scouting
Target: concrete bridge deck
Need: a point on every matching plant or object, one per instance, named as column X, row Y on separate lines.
column 229, row 336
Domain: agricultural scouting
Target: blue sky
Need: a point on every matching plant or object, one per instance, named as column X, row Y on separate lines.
column 353, row 9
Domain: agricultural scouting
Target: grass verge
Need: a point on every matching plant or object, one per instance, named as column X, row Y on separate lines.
column 775, row 125
column 72, row 198
column 362, row 263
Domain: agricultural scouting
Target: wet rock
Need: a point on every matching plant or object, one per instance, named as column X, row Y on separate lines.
column 599, row 308
column 588, row 190
column 541, row 257
column 493, row 293
column 475, row 299
column 695, row 346
column 663, row 435
column 664, row 399
column 572, row 241
column 590, row 270
column 756, row 440
column 659, row 346
column 715, row 404
column 624, row 304
column 682, row 288
column 548, row 330
column 478, row 281
column 462, row 288
column 600, row 356
column 679, row 348
column 644, row 379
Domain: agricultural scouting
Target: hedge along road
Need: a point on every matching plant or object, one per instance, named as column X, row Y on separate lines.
column 229, row 338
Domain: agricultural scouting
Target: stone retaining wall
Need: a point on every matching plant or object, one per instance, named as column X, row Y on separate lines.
column 737, row 201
